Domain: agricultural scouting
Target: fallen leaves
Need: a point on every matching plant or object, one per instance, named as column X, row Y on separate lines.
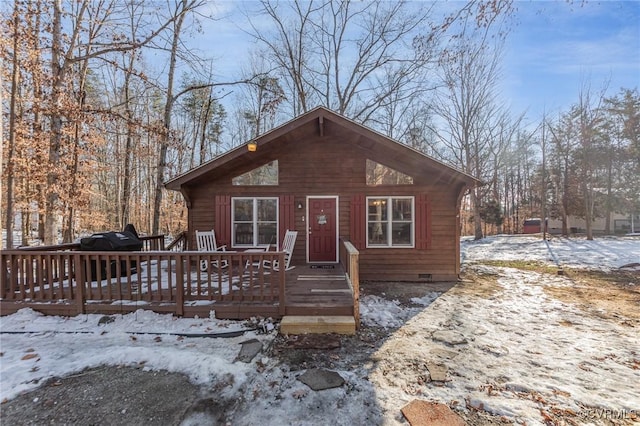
column 300, row 393
column 561, row 393
column 30, row 356
column 584, row 366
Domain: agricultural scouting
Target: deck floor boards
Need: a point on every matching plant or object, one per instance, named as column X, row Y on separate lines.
column 311, row 291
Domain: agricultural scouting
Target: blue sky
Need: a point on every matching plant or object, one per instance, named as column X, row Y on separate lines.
column 557, row 47
column 554, row 48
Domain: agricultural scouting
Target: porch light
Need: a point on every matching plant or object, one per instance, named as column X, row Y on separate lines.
column 252, row 146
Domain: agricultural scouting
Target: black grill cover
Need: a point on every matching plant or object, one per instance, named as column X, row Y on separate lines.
column 111, row 241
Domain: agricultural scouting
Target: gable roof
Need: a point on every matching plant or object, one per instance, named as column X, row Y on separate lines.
column 321, row 119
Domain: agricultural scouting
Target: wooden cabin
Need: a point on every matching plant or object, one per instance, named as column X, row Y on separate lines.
column 365, row 207
column 332, row 179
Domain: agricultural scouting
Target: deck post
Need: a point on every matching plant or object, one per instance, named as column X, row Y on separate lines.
column 354, row 259
column 350, row 259
column 179, row 286
column 282, row 282
column 78, row 277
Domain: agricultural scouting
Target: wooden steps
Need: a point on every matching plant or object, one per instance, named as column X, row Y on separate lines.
column 319, row 324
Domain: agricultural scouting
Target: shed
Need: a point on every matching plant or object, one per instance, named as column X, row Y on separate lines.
column 333, row 180
column 532, row 226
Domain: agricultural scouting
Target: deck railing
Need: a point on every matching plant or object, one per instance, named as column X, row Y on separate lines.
column 152, row 242
column 349, row 258
column 149, row 243
column 179, row 243
column 74, row 282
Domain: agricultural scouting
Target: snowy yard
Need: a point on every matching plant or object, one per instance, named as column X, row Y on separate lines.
column 515, row 343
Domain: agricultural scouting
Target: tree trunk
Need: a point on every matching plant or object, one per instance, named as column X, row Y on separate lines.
column 52, row 198
column 477, row 220
column 15, row 77
column 588, row 210
column 168, row 107
column 565, row 198
column 123, row 213
column 609, row 204
column 26, row 226
column 543, row 193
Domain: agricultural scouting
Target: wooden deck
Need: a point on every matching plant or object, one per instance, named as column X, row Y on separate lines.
column 64, row 281
column 309, row 290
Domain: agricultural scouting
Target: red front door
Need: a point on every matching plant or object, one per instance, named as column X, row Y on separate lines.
column 322, row 226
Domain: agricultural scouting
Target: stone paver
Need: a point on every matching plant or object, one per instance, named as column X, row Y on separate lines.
column 319, row 379
column 423, row 413
column 249, row 350
column 449, row 337
column 438, row 372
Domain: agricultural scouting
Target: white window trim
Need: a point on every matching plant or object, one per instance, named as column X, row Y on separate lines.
column 390, row 221
column 255, row 220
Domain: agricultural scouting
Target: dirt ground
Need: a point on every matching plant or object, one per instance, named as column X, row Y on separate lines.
column 133, row 396
column 105, row 396
column 611, row 295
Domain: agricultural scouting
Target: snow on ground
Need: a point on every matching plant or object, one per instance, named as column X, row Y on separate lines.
column 380, row 312
column 514, row 353
column 59, row 346
column 603, row 253
column 510, row 350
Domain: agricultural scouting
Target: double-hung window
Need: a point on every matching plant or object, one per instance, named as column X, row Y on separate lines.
column 390, row 222
column 254, row 221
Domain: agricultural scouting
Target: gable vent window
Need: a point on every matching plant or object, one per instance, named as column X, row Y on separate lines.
column 262, row 176
column 390, row 222
column 379, row 174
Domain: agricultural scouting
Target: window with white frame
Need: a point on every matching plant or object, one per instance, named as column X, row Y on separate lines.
column 390, row 221
column 254, row 221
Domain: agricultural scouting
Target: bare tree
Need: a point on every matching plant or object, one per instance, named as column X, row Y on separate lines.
column 290, row 47
column 13, row 117
column 260, row 101
column 563, row 173
column 470, row 111
column 201, row 117
column 589, row 115
column 351, row 57
column 358, row 58
column 129, row 62
column 64, row 55
column 623, row 153
column 180, row 10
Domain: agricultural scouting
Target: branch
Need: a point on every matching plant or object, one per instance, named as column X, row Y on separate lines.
column 210, row 85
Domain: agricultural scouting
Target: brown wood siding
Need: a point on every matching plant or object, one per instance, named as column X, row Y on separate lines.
column 330, row 166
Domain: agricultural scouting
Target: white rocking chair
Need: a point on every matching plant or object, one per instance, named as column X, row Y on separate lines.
column 206, row 242
column 287, row 247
